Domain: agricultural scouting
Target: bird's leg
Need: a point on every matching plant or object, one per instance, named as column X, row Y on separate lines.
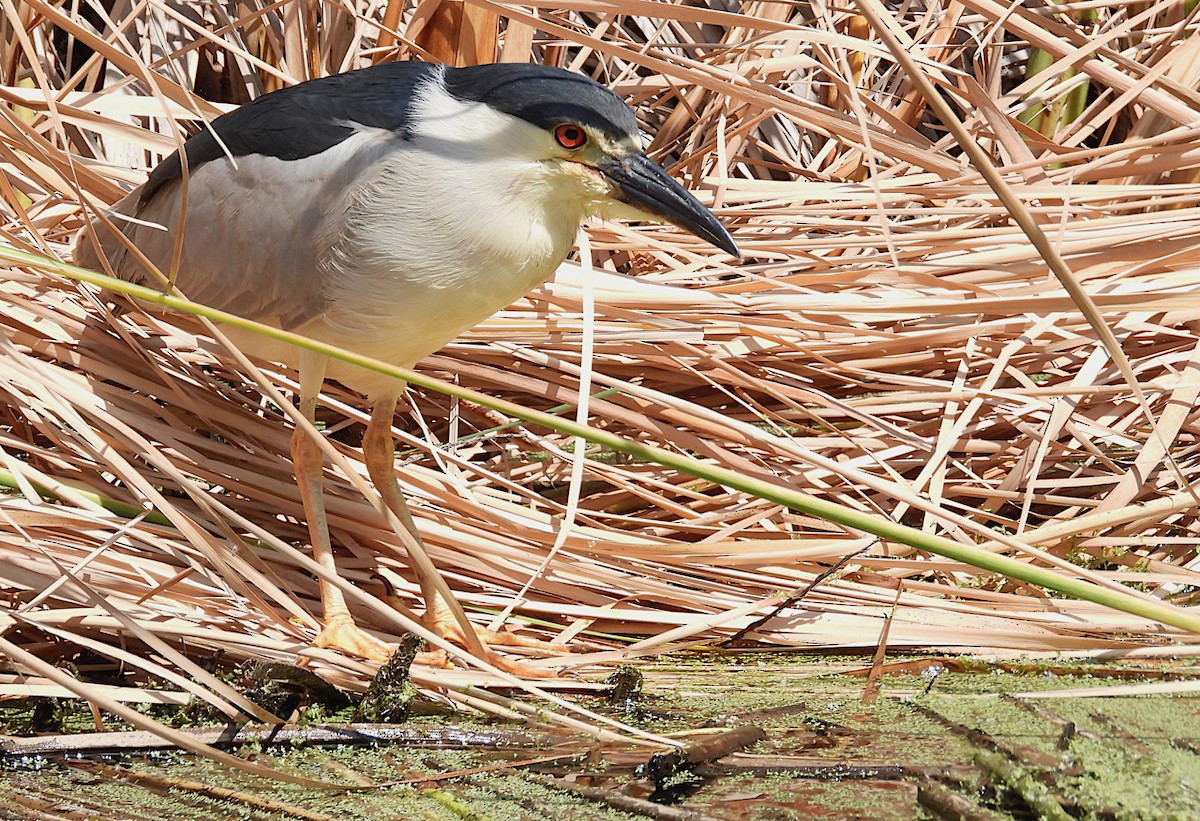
column 379, row 452
column 340, row 632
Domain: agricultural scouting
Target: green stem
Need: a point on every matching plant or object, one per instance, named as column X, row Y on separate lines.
column 778, row 493
column 1068, row 108
column 8, row 480
column 492, row 431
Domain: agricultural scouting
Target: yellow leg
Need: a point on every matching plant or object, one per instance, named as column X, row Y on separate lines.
column 379, row 452
column 340, row 632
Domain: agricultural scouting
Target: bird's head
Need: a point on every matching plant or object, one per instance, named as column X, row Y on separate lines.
column 589, row 140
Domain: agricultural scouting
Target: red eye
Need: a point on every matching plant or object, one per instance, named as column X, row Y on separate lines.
column 570, row 136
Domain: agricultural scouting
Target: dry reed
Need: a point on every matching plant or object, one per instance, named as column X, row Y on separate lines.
column 892, row 342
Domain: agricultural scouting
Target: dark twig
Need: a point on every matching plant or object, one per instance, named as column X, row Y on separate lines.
column 948, row 805
column 620, row 801
column 792, row 601
column 674, row 772
column 234, row 736
column 871, row 691
column 705, row 750
column 1036, row 795
column 503, row 765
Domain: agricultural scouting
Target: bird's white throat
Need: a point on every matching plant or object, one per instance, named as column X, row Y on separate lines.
column 470, row 185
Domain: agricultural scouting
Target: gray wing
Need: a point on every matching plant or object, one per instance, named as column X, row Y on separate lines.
column 249, row 242
column 258, row 216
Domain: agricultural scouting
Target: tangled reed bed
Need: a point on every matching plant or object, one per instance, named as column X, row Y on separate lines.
column 892, row 342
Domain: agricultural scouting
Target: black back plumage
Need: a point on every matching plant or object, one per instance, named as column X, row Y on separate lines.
column 302, row 120
column 309, row 118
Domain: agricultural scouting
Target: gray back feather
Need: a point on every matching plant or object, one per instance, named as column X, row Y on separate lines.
column 256, row 215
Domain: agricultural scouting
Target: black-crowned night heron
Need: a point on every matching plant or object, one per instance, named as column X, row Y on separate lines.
column 385, row 211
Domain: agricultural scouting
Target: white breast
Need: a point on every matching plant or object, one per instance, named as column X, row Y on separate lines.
column 456, row 225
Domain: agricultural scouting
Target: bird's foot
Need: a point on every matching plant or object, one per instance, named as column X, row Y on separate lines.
column 517, row 668
column 440, row 621
column 440, row 658
column 343, row 635
column 500, row 638
column 435, row 658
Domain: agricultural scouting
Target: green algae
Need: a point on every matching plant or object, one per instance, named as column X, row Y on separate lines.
column 1129, row 757
column 1121, row 759
column 1157, row 781
column 783, row 797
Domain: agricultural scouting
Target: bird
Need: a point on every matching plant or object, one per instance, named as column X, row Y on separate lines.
column 385, row 210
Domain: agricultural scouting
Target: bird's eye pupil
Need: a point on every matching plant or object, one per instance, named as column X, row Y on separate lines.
column 570, row 136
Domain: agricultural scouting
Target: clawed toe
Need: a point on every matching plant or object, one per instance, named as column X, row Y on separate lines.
column 343, row 635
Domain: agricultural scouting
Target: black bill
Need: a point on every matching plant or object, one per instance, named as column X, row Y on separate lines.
column 648, row 188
